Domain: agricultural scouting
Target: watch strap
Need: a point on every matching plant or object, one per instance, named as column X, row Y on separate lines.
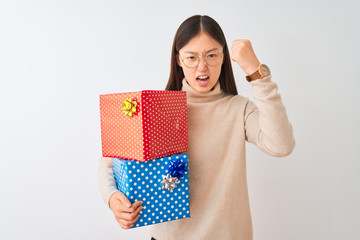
column 253, row 76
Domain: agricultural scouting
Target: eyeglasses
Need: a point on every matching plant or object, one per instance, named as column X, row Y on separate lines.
column 192, row 61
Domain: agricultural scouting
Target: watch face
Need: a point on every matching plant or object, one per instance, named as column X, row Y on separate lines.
column 265, row 71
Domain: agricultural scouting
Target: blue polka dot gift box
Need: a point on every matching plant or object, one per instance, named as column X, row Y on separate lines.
column 162, row 184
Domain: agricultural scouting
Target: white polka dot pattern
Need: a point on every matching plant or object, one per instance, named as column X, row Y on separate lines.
column 159, row 129
column 142, row 181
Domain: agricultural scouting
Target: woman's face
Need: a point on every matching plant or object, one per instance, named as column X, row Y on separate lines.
column 203, row 77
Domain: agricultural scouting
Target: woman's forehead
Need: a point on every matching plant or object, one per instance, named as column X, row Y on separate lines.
column 215, row 49
column 202, row 43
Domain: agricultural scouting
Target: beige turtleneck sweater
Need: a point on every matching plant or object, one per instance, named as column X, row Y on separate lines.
column 218, row 126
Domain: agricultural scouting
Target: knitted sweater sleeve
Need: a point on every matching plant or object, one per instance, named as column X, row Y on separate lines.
column 266, row 122
column 106, row 179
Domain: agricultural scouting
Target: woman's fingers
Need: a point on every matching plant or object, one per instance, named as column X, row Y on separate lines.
column 124, row 227
column 131, row 215
column 134, row 220
column 135, row 206
column 125, row 213
column 130, row 209
column 125, row 201
column 243, row 53
column 127, row 218
column 128, row 224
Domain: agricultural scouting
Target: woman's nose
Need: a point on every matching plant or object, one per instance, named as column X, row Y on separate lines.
column 202, row 64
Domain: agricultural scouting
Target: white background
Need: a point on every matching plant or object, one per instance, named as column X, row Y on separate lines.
column 56, row 57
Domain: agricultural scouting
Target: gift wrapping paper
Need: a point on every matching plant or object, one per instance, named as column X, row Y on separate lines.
column 162, row 184
column 143, row 125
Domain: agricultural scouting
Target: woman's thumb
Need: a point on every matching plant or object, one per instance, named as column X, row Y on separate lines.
column 121, row 196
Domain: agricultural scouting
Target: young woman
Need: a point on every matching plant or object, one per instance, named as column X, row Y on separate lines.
column 219, row 123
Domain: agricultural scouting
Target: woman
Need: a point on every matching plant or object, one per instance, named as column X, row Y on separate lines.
column 219, row 123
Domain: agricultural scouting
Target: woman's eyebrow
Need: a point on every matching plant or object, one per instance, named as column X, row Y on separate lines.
column 213, row 49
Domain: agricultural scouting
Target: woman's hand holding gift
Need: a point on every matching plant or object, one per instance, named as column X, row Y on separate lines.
column 125, row 213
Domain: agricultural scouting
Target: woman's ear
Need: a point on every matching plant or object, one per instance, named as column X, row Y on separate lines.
column 178, row 60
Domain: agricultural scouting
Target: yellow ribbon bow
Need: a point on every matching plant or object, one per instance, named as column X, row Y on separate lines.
column 130, row 107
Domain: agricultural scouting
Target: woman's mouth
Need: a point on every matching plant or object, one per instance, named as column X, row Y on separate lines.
column 203, row 80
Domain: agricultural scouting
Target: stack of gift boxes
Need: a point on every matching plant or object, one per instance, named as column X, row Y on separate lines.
column 145, row 134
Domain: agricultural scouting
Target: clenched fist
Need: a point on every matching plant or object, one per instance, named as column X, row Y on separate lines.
column 243, row 53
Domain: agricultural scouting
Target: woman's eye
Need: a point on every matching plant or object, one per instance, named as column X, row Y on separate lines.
column 190, row 58
column 213, row 55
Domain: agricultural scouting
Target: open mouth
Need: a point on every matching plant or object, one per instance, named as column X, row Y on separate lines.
column 202, row 79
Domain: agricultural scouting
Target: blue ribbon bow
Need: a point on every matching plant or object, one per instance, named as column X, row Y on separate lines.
column 177, row 168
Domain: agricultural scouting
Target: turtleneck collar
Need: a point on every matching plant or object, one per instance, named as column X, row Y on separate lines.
column 194, row 96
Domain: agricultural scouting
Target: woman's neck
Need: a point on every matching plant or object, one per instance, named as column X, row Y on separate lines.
column 194, row 96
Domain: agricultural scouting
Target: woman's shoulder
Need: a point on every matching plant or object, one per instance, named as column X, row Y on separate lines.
column 236, row 99
column 236, row 103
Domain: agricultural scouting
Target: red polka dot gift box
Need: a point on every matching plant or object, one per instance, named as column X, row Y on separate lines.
column 143, row 125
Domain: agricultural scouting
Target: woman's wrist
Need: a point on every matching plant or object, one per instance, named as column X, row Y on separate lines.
column 252, row 68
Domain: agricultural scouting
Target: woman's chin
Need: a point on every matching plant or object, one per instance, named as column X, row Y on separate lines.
column 202, row 86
